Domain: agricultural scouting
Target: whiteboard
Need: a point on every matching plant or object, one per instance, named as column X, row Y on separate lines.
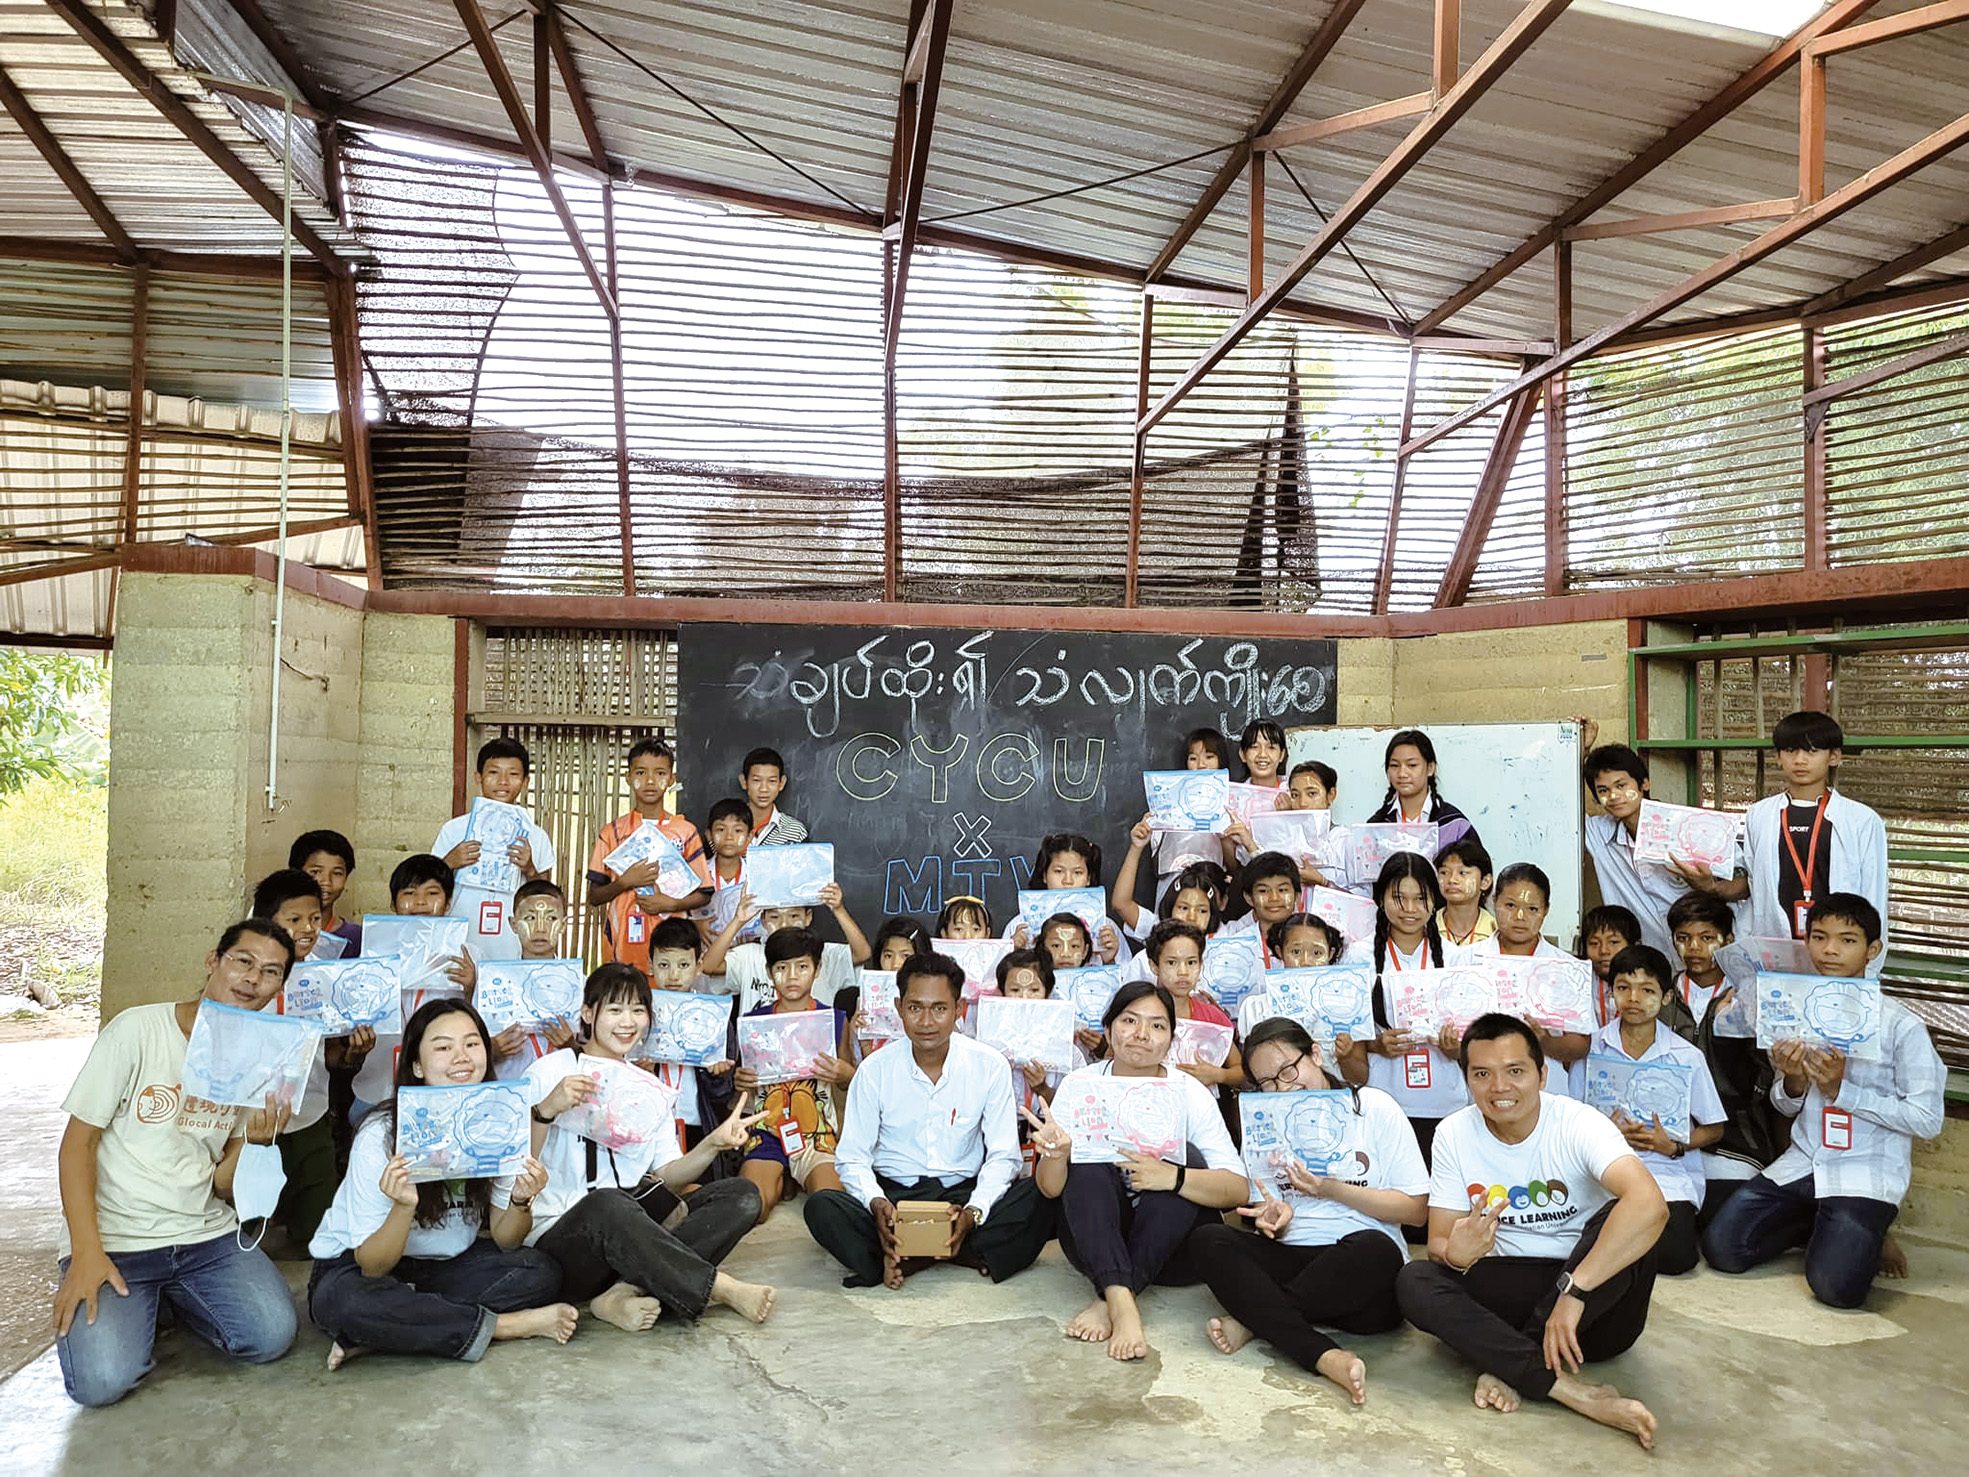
column 1518, row 782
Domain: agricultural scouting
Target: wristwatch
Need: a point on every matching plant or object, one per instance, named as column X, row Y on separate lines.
column 1567, row 1287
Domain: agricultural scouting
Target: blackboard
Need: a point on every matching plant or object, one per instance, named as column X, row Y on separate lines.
column 935, row 760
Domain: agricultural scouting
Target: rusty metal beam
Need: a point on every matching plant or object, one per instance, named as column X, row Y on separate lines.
column 93, row 29
column 1484, row 73
column 345, row 339
column 1555, row 426
column 133, row 445
column 1455, row 587
column 1414, row 104
column 1888, row 273
column 1824, row 394
column 920, row 97
column 284, row 53
column 577, row 95
column 50, row 149
column 1811, row 128
column 1814, row 500
column 1254, row 234
column 1649, row 225
column 179, row 263
column 501, row 77
column 1940, row 143
column 259, row 92
column 1276, row 107
column 1448, row 44
column 1131, row 585
column 1384, row 578
column 543, row 78
column 1747, row 85
column 1908, row 23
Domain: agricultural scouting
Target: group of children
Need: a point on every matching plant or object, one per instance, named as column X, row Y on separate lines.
column 1788, row 1146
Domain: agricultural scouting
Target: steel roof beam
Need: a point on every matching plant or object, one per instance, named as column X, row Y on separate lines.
column 1753, row 81
column 1943, row 141
column 1526, row 27
column 50, row 148
column 1276, row 107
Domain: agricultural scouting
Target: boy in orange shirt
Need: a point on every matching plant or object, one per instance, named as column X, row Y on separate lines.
column 630, row 917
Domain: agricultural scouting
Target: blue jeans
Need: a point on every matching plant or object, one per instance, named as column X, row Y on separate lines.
column 446, row 1306
column 1842, row 1235
column 235, row 1300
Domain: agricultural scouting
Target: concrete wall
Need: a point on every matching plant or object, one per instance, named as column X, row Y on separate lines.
column 365, row 749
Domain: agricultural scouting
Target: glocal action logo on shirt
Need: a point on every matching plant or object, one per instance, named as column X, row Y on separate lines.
column 1547, row 1200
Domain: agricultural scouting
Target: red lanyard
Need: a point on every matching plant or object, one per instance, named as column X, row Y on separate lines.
column 1806, row 867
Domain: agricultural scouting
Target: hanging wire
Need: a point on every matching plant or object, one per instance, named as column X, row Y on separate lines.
column 1119, row 179
column 721, row 121
column 422, row 67
column 1403, row 318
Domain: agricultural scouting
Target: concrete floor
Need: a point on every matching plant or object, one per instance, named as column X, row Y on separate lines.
column 1747, row 1374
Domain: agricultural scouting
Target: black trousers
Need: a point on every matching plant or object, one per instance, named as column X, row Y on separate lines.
column 1677, row 1251
column 606, row 1238
column 1014, row 1233
column 1494, row 1314
column 1279, row 1292
column 1117, row 1240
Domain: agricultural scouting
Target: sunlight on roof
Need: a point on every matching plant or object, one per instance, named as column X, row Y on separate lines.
column 1759, row 17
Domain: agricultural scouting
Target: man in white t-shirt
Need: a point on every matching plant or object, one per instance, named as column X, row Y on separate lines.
column 147, row 1186
column 484, row 884
column 1542, row 1228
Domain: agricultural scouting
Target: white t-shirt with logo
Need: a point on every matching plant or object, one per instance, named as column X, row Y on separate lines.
column 1551, row 1183
column 155, row 1159
column 1394, row 1162
column 490, row 912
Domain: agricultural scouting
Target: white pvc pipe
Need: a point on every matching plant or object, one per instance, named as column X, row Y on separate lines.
column 286, row 437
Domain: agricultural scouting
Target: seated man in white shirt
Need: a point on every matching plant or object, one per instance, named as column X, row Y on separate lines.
column 930, row 1118
column 1839, row 1186
column 1542, row 1230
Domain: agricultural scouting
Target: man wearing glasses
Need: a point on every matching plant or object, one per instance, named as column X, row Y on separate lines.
column 1617, row 779
column 147, row 1181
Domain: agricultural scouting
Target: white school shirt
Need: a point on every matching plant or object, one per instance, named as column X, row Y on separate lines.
column 1859, row 862
column 1893, row 1101
column 1203, row 1120
column 361, row 1207
column 902, row 1125
column 1684, row 1178
column 490, row 912
column 1445, row 1092
column 1646, row 889
column 1394, row 1162
column 565, row 1153
column 1553, row 1183
column 747, row 976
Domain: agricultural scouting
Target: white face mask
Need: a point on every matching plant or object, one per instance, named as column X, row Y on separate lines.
column 257, row 1180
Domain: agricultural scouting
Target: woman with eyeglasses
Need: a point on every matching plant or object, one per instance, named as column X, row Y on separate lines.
column 1321, row 1248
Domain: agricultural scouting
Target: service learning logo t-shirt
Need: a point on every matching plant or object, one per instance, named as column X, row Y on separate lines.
column 1550, row 1184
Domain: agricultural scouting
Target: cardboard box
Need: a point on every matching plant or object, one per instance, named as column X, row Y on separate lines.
column 923, row 1227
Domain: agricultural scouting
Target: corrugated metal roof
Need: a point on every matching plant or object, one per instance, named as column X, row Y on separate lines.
column 1044, row 95
column 162, row 190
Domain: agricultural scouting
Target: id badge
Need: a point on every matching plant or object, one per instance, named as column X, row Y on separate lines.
column 1836, row 1129
column 1801, row 918
column 492, row 918
column 790, row 1137
column 637, row 926
column 1415, row 1070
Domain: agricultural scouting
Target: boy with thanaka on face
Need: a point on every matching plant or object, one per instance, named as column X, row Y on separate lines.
column 630, row 914
column 728, row 833
column 328, row 857
column 762, row 774
column 704, row 1094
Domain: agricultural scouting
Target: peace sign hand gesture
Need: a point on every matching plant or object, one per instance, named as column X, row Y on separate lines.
column 735, row 1130
column 1272, row 1216
column 1050, row 1140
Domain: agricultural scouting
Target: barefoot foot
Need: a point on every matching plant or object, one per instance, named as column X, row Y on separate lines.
column 1091, row 1325
column 1228, row 1334
column 627, row 1308
column 1346, row 1369
column 1129, row 1340
column 753, row 1300
column 555, row 1321
column 1605, row 1404
column 1893, row 1258
column 340, row 1354
column 1493, row 1394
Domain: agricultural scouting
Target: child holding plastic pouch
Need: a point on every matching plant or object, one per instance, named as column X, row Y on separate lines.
column 1065, row 862
column 622, row 1222
column 436, row 1268
column 802, row 1119
column 1413, row 797
column 1327, row 1251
